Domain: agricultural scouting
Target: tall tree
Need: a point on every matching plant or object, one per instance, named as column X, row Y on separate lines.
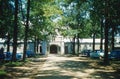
column 101, row 31
column 26, row 30
column 15, row 33
column 106, row 61
column 6, row 23
column 42, row 15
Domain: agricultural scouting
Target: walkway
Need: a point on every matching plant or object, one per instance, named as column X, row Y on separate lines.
column 64, row 67
column 59, row 67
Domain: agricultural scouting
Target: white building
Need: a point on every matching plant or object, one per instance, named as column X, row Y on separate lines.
column 61, row 45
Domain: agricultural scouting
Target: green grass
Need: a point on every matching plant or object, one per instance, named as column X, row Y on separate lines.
column 3, row 73
column 13, row 64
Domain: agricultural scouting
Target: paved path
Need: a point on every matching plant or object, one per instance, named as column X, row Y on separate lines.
column 59, row 67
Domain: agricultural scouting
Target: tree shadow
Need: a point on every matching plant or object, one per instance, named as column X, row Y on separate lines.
column 16, row 72
column 82, row 65
column 54, row 77
column 24, row 71
column 106, row 75
column 100, row 71
column 75, row 65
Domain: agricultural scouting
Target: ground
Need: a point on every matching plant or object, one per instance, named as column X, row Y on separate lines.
column 64, row 67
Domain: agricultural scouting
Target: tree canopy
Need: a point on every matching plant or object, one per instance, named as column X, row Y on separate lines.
column 73, row 18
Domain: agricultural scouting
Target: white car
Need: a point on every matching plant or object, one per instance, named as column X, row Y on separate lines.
column 97, row 54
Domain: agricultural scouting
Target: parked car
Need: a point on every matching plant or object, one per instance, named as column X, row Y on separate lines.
column 19, row 56
column 86, row 52
column 30, row 53
column 8, row 56
column 2, row 57
column 97, row 54
column 115, row 54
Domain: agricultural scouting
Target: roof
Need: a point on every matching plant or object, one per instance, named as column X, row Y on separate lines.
column 84, row 40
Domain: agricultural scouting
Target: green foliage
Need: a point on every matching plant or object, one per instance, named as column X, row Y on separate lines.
column 6, row 17
column 3, row 73
column 76, row 16
column 82, row 16
column 42, row 15
column 13, row 64
column 97, row 13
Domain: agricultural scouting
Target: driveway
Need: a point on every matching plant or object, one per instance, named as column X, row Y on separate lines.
column 70, row 67
column 64, row 67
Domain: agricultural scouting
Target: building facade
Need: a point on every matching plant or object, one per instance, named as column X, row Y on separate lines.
column 61, row 45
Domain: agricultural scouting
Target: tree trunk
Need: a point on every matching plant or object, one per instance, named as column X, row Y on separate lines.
column 1, row 7
column 93, row 41
column 73, row 45
column 26, row 30
column 78, row 44
column 101, row 40
column 8, row 43
column 35, row 45
column 106, row 60
column 112, row 42
column 15, row 32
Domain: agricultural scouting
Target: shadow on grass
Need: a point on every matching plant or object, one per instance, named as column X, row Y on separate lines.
column 3, row 75
column 100, row 71
column 54, row 77
column 74, row 65
column 22, row 69
column 106, row 75
column 83, row 65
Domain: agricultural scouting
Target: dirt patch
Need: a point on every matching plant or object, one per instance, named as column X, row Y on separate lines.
column 72, row 67
column 25, row 71
column 63, row 67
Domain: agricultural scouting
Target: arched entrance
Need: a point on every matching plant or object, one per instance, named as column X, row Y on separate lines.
column 53, row 49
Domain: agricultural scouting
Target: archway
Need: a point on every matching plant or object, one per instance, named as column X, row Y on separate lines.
column 53, row 49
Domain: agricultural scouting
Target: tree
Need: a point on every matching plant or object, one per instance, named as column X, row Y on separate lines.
column 77, row 18
column 6, row 21
column 106, row 61
column 95, row 16
column 15, row 33
column 114, row 19
column 108, row 19
column 26, row 30
column 41, row 19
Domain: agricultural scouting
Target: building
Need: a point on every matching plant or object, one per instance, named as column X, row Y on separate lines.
column 61, row 45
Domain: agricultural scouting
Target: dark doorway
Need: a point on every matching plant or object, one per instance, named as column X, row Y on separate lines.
column 40, row 49
column 53, row 49
column 66, row 49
